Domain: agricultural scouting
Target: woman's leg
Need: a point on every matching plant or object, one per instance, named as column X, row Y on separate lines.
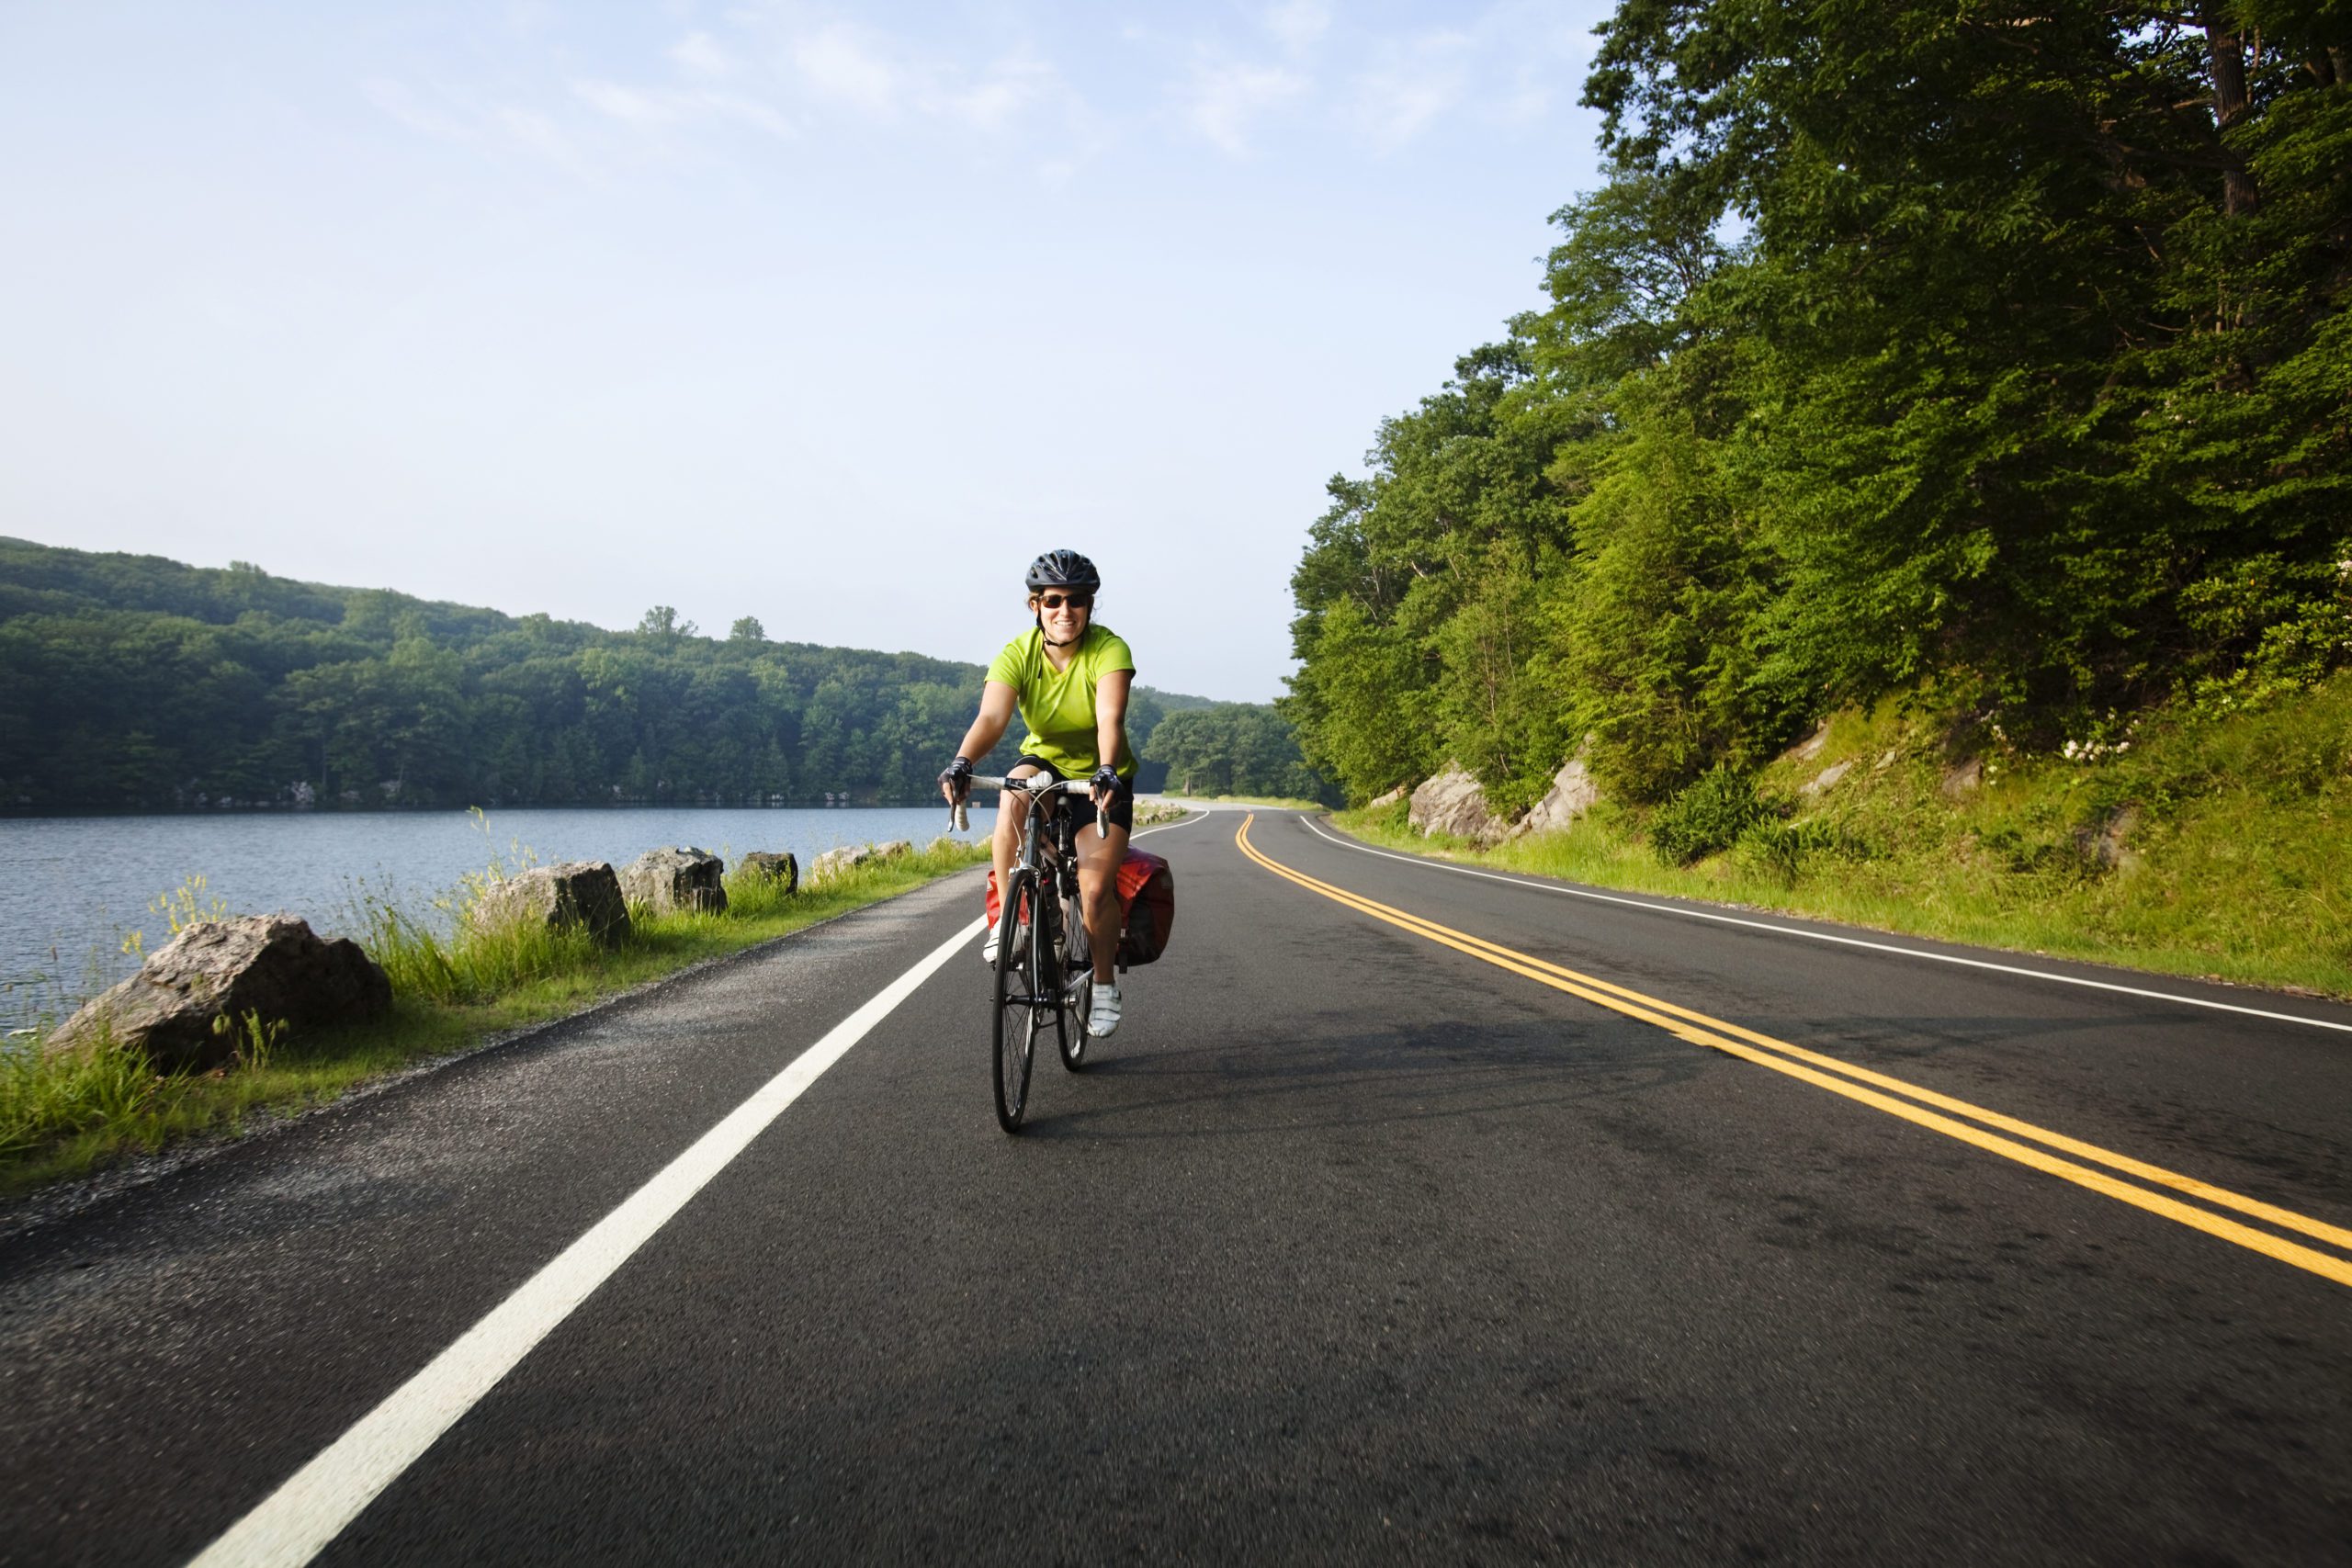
column 1097, row 886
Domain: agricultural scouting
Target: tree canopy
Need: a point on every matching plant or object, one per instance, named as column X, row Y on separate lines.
column 1991, row 348
column 1233, row 748
column 135, row 683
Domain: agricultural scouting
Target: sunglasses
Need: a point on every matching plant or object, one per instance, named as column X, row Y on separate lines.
column 1075, row 600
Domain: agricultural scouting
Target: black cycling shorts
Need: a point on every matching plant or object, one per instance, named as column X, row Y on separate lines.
column 1122, row 810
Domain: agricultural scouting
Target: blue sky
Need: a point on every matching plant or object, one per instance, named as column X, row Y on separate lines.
column 829, row 316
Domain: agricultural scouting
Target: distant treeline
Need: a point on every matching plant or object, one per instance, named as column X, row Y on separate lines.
column 1991, row 352
column 132, row 683
column 1235, row 749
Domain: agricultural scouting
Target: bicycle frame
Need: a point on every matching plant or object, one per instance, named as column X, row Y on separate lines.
column 1053, row 853
column 1044, row 875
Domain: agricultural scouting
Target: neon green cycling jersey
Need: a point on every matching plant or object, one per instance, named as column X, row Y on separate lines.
column 1058, row 704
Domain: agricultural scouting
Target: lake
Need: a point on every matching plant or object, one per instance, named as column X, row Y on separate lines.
column 70, row 887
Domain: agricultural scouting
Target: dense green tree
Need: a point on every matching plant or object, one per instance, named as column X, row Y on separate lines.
column 1233, row 748
column 132, row 683
column 1995, row 346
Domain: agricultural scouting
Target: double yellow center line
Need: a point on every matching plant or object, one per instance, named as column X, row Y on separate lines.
column 1921, row 1107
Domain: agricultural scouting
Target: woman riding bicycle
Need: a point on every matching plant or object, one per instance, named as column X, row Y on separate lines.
column 1068, row 678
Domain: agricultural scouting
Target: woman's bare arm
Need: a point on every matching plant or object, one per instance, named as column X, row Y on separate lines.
column 995, row 718
column 1111, row 715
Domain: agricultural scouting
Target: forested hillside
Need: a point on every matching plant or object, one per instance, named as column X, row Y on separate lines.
column 1988, row 353
column 135, row 683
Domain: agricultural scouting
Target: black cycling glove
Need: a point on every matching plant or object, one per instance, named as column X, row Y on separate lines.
column 1106, row 777
column 957, row 779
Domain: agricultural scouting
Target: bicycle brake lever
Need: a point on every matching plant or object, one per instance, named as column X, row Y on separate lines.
column 959, row 817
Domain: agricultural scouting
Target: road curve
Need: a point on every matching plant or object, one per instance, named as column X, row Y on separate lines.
column 1411, row 1216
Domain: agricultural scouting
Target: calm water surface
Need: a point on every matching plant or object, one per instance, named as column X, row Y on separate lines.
column 69, row 888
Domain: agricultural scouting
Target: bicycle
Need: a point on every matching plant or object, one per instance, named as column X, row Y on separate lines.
column 1035, row 955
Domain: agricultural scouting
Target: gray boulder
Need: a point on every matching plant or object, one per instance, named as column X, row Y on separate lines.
column 1391, row 799
column 781, row 867
column 1453, row 803
column 1827, row 778
column 1806, row 750
column 833, row 862
column 1574, row 792
column 894, row 849
column 2108, row 845
column 668, row 880
column 584, row 893
column 187, row 1006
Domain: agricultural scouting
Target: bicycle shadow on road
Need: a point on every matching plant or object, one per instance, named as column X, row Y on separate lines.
column 1331, row 1073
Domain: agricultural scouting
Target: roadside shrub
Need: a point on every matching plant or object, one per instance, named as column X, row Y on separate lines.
column 468, row 957
column 1707, row 816
column 1771, row 847
column 753, row 895
column 41, row 1097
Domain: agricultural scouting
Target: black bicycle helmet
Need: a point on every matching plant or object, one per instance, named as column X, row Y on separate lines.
column 1063, row 569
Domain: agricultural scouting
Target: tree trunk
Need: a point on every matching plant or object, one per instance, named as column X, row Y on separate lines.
column 2226, row 51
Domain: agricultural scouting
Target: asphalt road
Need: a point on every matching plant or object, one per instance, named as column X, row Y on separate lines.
column 1372, row 1235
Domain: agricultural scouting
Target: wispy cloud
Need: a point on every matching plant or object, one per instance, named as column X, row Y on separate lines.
column 702, row 55
column 627, row 104
column 1297, row 25
column 643, row 108
column 846, row 65
column 1412, row 82
column 1239, row 85
column 885, row 78
column 537, row 132
column 449, row 118
column 1223, row 100
column 402, row 102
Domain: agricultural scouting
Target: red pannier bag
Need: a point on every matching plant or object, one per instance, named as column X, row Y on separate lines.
column 1147, row 906
column 1147, row 902
column 995, row 903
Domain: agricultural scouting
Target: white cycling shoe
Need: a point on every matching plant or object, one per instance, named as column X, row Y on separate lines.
column 1103, row 1018
column 988, row 948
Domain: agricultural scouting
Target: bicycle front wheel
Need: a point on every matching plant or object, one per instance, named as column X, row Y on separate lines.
column 1016, row 1000
column 1077, row 997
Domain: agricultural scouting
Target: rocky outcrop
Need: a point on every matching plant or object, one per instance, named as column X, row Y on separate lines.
column 2108, row 845
column 1453, row 803
column 1574, row 792
column 833, row 862
column 186, row 1007
column 1391, row 799
column 1964, row 780
column 774, row 867
column 1806, row 750
column 676, row 879
column 583, row 893
column 894, row 849
column 1827, row 778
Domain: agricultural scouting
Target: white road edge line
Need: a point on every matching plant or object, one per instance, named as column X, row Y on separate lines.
column 294, row 1524
column 1826, row 936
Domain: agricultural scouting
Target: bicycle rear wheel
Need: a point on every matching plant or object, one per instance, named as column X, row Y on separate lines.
column 1017, row 1001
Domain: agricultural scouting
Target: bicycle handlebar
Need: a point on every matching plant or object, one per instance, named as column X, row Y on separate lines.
column 961, row 816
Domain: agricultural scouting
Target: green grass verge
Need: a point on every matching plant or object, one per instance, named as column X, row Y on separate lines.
column 2228, row 853
column 67, row 1117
